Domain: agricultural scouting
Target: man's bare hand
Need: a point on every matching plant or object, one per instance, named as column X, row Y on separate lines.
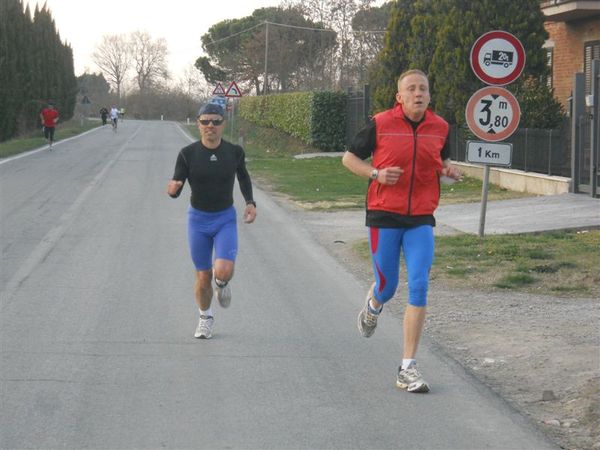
column 452, row 172
column 173, row 187
column 249, row 213
column 389, row 175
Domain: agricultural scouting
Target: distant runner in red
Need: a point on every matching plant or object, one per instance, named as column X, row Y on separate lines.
column 49, row 117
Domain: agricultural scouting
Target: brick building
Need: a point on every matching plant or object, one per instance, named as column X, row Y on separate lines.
column 574, row 29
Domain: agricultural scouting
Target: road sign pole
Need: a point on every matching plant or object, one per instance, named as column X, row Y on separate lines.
column 232, row 112
column 484, row 197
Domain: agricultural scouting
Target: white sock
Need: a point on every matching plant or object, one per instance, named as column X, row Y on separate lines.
column 208, row 312
column 220, row 283
column 406, row 363
column 373, row 309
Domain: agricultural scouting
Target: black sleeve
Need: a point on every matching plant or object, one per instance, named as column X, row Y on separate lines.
column 445, row 153
column 181, row 172
column 363, row 144
column 244, row 177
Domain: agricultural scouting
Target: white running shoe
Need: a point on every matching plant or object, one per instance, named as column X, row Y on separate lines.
column 224, row 295
column 367, row 321
column 411, row 380
column 205, row 326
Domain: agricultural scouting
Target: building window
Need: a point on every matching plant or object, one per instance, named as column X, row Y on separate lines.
column 591, row 51
column 550, row 64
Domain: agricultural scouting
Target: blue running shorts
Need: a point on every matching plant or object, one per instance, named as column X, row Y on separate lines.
column 212, row 231
column 417, row 245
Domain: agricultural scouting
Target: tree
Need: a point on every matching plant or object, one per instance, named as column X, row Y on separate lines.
column 368, row 25
column 113, row 58
column 193, row 89
column 15, row 51
column 394, row 58
column 289, row 44
column 35, row 66
column 437, row 37
column 462, row 23
column 359, row 36
column 149, row 59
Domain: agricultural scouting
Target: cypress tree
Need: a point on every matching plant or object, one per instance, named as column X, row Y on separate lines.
column 14, row 28
column 462, row 22
column 394, row 58
column 437, row 37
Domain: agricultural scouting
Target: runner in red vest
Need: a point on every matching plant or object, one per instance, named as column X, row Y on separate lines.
column 49, row 117
column 409, row 148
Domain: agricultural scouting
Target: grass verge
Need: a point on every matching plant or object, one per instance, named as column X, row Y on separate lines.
column 36, row 139
column 563, row 263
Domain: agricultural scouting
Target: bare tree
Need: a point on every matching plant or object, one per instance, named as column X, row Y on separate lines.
column 340, row 16
column 192, row 84
column 150, row 59
column 113, row 59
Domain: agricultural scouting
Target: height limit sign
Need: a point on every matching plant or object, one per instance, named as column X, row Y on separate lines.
column 493, row 114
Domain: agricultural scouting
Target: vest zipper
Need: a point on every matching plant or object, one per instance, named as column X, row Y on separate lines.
column 412, row 175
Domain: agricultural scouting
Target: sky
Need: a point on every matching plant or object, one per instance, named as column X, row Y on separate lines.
column 82, row 23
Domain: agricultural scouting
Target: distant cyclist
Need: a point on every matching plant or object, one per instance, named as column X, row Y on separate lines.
column 114, row 117
column 49, row 117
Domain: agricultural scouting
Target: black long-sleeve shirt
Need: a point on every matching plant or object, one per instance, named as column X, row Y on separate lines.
column 211, row 174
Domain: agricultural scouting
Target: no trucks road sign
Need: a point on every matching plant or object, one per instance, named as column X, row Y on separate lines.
column 493, row 114
column 497, row 58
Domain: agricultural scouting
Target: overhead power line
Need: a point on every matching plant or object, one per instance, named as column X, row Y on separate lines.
column 266, row 22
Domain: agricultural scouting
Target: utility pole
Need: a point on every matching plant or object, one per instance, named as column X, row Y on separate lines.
column 266, row 56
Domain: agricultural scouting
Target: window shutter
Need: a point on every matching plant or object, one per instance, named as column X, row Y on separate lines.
column 591, row 52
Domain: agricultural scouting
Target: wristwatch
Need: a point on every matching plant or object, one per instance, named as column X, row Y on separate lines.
column 374, row 174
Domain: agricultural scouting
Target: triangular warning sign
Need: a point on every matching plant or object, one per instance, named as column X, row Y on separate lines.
column 219, row 89
column 233, row 90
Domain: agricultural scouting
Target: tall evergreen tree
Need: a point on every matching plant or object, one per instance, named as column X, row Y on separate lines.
column 394, row 58
column 462, row 23
column 34, row 67
column 15, row 31
column 437, row 37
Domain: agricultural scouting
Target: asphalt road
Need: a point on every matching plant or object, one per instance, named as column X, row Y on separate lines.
column 97, row 320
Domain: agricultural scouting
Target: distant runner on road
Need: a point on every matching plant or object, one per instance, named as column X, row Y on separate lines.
column 49, row 118
column 211, row 165
column 409, row 150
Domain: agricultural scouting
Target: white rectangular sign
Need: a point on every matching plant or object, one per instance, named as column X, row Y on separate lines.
column 490, row 153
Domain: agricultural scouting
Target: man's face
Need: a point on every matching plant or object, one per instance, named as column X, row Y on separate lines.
column 413, row 95
column 211, row 126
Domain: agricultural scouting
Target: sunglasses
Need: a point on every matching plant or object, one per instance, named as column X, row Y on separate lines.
column 215, row 122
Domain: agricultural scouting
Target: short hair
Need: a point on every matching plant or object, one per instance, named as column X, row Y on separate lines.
column 406, row 73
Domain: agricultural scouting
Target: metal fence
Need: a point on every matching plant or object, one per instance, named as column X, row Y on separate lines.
column 357, row 108
column 584, row 153
column 534, row 150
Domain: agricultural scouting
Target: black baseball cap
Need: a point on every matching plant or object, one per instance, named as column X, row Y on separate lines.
column 211, row 108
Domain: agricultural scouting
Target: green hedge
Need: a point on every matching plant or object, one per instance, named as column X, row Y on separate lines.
column 316, row 118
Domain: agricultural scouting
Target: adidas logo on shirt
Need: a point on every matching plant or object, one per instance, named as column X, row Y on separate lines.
column 213, row 157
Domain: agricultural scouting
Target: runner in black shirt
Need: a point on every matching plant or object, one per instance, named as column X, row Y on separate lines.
column 211, row 166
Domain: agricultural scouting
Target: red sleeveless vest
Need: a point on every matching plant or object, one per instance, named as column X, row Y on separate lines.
column 417, row 152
